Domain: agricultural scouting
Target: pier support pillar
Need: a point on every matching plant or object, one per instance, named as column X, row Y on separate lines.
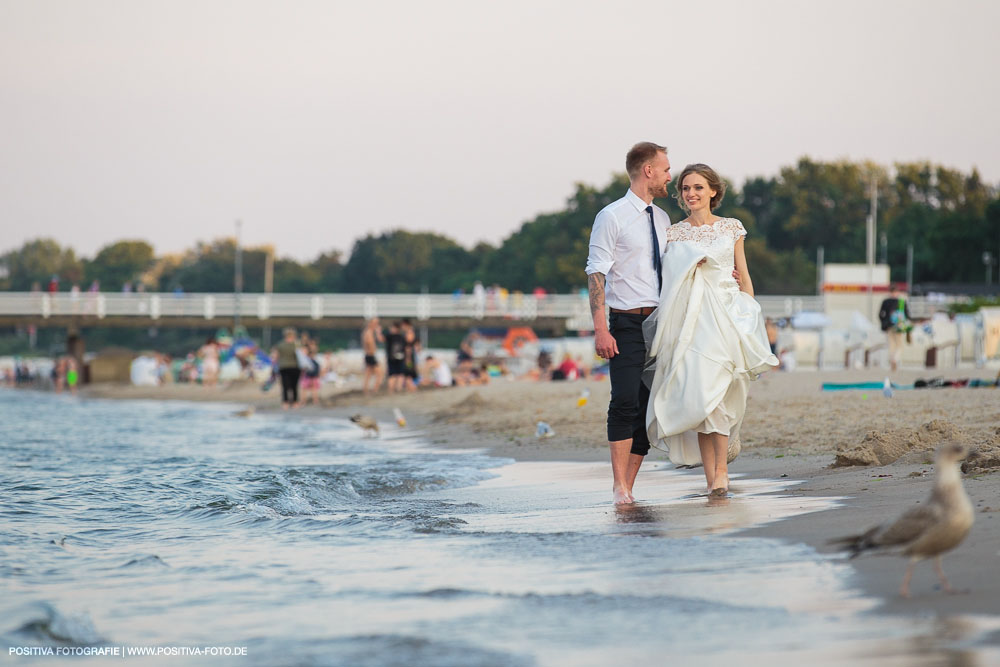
column 75, row 347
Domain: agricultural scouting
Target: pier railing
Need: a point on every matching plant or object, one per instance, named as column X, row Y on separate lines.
column 163, row 307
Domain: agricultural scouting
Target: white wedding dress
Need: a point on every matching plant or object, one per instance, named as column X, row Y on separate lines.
column 706, row 341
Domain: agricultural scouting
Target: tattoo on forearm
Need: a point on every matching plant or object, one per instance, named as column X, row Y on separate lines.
column 595, row 282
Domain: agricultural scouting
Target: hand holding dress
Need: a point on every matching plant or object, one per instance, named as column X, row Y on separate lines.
column 706, row 341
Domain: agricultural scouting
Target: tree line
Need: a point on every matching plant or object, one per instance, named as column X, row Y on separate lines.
column 950, row 218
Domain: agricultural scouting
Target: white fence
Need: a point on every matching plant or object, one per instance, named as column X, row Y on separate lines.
column 156, row 306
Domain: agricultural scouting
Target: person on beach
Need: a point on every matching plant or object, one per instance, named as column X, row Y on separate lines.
column 288, row 368
column 436, row 373
column 395, row 352
column 72, row 374
column 894, row 318
column 209, row 353
column 58, row 374
column 371, row 336
column 707, row 337
column 310, row 381
column 624, row 273
column 411, row 347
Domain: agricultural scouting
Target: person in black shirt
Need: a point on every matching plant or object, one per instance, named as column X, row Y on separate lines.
column 894, row 318
column 395, row 352
column 411, row 345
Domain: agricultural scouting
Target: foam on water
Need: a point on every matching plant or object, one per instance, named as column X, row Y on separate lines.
column 41, row 624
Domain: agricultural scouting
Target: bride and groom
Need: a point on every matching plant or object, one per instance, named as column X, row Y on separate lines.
column 684, row 336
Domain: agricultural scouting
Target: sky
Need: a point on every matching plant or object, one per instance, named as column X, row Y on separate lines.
column 315, row 123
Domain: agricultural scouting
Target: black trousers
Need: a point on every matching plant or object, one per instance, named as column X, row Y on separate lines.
column 290, row 384
column 629, row 396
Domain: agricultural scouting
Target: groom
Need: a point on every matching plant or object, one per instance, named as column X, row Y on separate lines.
column 624, row 273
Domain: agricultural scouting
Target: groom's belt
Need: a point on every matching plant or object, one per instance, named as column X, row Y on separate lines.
column 642, row 310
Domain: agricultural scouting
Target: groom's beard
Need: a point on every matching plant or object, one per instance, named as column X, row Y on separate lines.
column 659, row 191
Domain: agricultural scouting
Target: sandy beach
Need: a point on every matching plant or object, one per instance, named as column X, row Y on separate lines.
column 792, row 429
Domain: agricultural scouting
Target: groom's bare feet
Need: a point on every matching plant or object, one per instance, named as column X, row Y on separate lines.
column 623, row 497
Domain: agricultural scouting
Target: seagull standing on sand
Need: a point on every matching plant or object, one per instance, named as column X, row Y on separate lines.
column 927, row 531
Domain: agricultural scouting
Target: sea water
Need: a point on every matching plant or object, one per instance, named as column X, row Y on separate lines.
column 287, row 539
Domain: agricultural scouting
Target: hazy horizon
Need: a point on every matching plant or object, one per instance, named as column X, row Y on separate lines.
column 317, row 123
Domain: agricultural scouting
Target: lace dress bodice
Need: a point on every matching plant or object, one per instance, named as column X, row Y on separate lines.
column 718, row 240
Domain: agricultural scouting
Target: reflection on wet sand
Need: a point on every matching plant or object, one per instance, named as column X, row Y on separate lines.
column 718, row 501
column 670, row 510
column 642, row 513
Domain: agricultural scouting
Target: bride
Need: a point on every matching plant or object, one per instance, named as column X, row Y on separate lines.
column 706, row 339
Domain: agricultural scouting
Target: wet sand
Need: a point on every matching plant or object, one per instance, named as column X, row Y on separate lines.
column 792, row 432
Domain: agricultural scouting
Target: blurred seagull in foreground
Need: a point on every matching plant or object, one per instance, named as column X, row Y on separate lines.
column 937, row 526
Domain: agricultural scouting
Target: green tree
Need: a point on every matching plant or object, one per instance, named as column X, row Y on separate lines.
column 944, row 215
column 402, row 261
column 37, row 261
column 329, row 269
column 290, row 276
column 825, row 204
column 118, row 263
column 210, row 267
column 759, row 197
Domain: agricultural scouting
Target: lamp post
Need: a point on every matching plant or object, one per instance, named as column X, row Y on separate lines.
column 909, row 269
column 238, row 279
column 870, row 244
column 268, row 288
column 820, row 262
column 988, row 263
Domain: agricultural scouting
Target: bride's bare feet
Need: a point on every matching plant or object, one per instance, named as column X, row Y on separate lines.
column 721, row 485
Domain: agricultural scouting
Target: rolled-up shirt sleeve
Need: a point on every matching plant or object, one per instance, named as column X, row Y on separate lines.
column 602, row 244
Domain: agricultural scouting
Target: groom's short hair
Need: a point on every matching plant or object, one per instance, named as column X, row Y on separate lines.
column 640, row 154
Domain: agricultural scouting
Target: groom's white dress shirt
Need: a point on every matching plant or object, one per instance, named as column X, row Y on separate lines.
column 621, row 247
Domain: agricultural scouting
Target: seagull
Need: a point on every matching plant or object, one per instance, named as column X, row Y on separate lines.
column 369, row 426
column 927, row 531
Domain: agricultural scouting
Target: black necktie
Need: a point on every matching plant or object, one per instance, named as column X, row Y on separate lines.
column 656, row 250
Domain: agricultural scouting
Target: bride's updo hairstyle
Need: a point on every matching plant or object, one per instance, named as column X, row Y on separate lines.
column 714, row 182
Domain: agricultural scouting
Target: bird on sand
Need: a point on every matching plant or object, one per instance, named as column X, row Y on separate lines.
column 248, row 412
column 368, row 424
column 929, row 530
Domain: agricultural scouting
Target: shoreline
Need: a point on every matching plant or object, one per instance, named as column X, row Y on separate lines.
column 792, row 430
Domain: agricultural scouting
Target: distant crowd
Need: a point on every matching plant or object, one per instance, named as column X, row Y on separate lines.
column 403, row 371
column 59, row 374
column 394, row 361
